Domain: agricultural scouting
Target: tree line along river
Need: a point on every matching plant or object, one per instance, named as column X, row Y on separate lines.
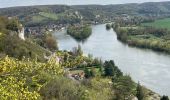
column 151, row 68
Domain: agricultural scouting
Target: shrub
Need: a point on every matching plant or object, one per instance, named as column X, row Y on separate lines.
column 62, row 89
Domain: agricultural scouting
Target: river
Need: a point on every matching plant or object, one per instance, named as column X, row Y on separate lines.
column 151, row 68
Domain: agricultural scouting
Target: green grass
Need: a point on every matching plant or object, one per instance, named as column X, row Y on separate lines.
column 49, row 15
column 161, row 23
column 82, row 70
column 131, row 27
column 45, row 16
column 76, row 71
column 38, row 18
column 145, row 36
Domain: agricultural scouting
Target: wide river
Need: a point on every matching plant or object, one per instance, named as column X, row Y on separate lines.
column 151, row 68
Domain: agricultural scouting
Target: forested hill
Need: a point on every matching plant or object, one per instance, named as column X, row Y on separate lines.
column 69, row 14
column 143, row 8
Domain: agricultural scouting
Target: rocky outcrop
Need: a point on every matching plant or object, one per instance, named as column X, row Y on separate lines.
column 21, row 33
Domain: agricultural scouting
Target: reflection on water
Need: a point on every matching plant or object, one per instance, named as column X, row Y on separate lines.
column 152, row 69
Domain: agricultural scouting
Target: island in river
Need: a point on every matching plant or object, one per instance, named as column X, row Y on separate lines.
column 79, row 32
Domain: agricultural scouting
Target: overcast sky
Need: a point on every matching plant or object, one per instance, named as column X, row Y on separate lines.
column 11, row 3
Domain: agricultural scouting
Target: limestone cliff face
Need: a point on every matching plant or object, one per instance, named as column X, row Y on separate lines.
column 21, row 33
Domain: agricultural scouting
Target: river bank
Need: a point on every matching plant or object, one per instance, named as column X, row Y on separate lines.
column 143, row 65
column 144, row 37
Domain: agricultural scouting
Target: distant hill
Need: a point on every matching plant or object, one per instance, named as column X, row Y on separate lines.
column 49, row 14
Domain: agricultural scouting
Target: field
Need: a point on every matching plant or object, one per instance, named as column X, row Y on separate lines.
column 38, row 18
column 46, row 16
column 161, row 23
column 49, row 15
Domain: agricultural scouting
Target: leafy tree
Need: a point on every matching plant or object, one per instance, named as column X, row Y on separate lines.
column 93, row 72
column 21, row 80
column 97, row 62
column 12, row 88
column 111, row 70
column 62, row 89
column 122, row 34
column 164, row 97
column 124, row 87
column 87, row 73
column 77, row 51
column 51, row 43
column 108, row 26
column 90, row 72
column 140, row 93
column 99, row 89
column 13, row 24
column 7, row 25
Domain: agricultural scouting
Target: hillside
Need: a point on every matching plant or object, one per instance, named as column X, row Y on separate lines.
column 41, row 15
column 32, row 80
column 34, row 68
column 13, row 46
column 54, row 14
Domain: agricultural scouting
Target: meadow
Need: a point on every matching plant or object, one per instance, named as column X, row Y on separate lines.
column 161, row 23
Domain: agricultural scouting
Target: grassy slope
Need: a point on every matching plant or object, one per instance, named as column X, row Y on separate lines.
column 15, row 47
column 49, row 15
column 38, row 18
column 44, row 16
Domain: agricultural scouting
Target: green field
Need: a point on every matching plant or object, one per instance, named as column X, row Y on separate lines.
column 49, row 15
column 161, row 23
column 46, row 16
column 38, row 18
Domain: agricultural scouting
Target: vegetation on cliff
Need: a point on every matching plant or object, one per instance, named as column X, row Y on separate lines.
column 13, row 46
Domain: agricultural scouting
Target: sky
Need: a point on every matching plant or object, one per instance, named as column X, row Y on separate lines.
column 13, row 3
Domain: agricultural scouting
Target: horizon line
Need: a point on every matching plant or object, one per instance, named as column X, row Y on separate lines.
column 79, row 4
